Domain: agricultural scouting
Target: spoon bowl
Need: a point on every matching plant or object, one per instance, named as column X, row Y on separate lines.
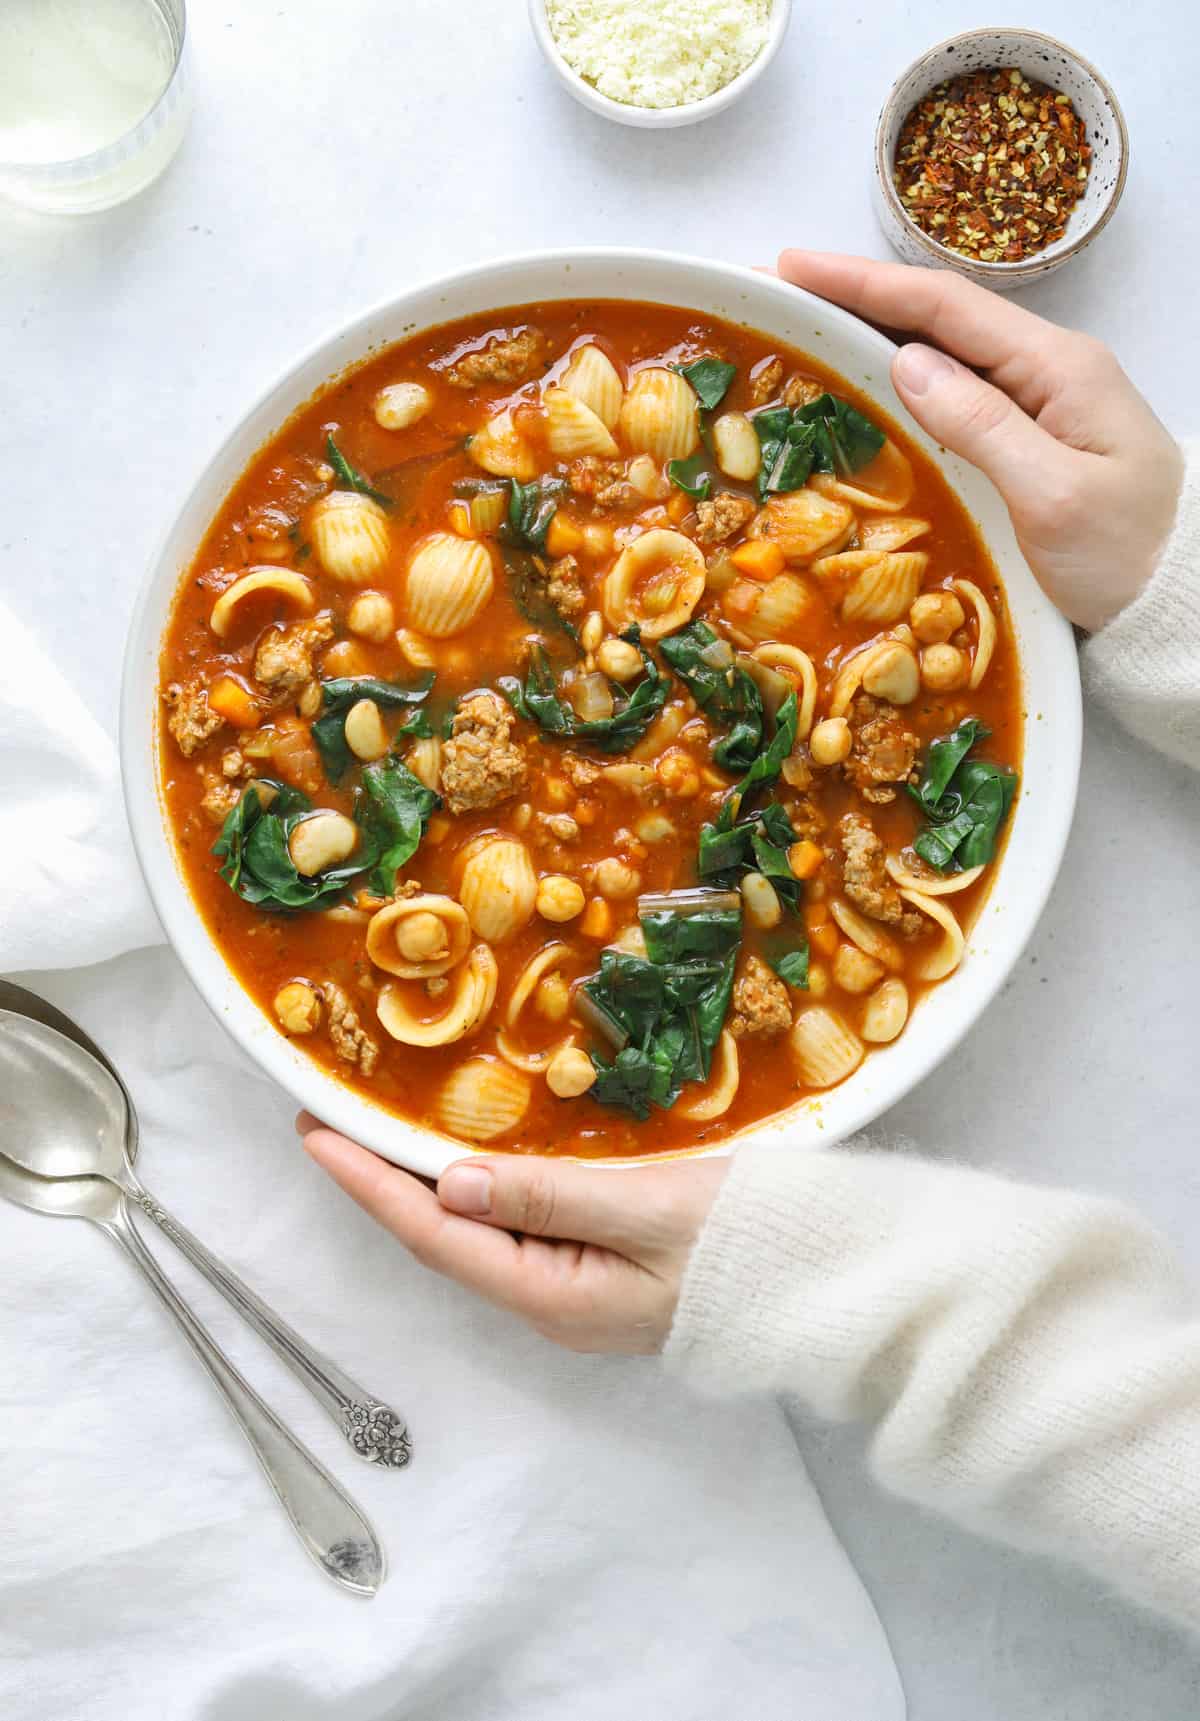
column 62, row 1113
column 92, row 1198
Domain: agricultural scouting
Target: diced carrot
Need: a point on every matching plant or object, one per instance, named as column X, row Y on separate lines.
column 760, row 558
column 230, row 700
column 563, row 537
column 805, row 858
column 815, row 914
column 825, row 938
column 597, row 920
column 460, row 519
column 679, row 506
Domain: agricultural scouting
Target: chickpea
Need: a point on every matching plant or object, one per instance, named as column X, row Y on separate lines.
column 763, row 908
column 401, row 405
column 322, row 840
column 570, row 1073
column 618, row 659
column 557, row 793
column 421, row 937
column 935, row 616
column 892, row 674
column 559, row 898
column 677, row 773
column 345, row 658
column 655, row 828
column 592, row 631
column 854, row 970
column 366, row 736
column 552, row 998
column 298, row 1007
column 414, row 648
column 372, row 616
column 818, row 980
column 615, row 880
column 830, row 741
column 943, row 668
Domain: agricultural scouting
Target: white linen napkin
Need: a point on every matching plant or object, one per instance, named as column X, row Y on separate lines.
column 575, row 1536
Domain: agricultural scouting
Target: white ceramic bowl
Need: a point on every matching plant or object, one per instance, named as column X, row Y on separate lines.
column 626, row 113
column 1041, row 818
column 1050, row 62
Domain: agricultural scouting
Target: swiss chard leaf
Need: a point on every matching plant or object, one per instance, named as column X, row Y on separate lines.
column 393, row 810
column 537, row 699
column 350, row 476
column 531, row 508
column 337, row 697
column 965, row 800
column 527, row 586
column 253, row 850
column 827, row 435
column 691, row 475
column 767, row 764
column 854, row 440
column 727, row 695
column 710, row 378
column 792, row 968
column 672, row 937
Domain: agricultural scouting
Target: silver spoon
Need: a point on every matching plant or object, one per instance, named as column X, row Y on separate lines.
column 50, row 1090
column 374, row 1430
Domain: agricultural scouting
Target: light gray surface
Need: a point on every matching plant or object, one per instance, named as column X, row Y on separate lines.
column 337, row 155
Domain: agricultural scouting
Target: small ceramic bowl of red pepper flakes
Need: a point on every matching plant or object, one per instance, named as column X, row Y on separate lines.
column 1000, row 154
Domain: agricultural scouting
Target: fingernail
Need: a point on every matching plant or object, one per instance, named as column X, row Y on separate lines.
column 466, row 1189
column 918, row 368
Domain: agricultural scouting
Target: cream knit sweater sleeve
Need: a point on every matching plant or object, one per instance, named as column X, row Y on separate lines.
column 1030, row 1360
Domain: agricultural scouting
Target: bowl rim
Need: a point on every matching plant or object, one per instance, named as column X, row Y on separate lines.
column 1039, row 262
column 665, row 119
column 420, row 1146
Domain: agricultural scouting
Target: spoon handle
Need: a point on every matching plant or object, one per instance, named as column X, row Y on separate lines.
column 325, row 1518
column 374, row 1430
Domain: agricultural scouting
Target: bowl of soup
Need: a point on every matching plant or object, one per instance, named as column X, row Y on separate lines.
column 576, row 712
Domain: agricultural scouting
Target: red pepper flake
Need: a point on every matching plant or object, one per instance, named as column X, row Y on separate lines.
column 992, row 164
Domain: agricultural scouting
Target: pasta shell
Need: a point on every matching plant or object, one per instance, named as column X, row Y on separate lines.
column 885, row 486
column 659, row 564
column 501, row 449
column 985, row 643
column 782, row 603
column 800, row 664
column 350, row 535
column 499, row 888
column 866, row 934
column 592, row 378
column 660, row 415
column 399, row 1012
column 948, row 954
column 825, row 1049
column 886, row 1011
column 482, row 1099
column 573, row 429
column 883, row 591
column 804, row 523
column 281, row 581
column 891, row 533
column 450, row 579
column 899, row 874
column 720, row 1090
column 387, row 927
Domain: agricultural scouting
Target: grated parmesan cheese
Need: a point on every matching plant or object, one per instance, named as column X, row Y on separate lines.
column 658, row 53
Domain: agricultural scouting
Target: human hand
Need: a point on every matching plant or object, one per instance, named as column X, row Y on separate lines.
column 599, row 1256
column 1090, row 476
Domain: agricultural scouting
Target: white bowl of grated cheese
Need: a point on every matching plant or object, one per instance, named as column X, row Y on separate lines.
column 658, row 62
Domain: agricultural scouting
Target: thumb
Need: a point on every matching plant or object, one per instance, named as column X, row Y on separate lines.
column 972, row 418
column 630, row 1209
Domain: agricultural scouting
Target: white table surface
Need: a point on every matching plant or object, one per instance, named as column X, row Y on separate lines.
column 338, row 152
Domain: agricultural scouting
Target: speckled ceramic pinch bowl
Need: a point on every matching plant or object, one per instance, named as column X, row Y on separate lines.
column 1049, row 61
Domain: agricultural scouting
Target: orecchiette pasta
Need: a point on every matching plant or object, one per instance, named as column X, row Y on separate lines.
column 892, row 532
column 720, row 1091
column 499, row 887
column 592, row 378
column 790, row 657
column 350, row 536
column 419, row 937
column 500, row 449
column 660, row 415
column 932, row 885
column 825, row 1049
column 483, row 1099
column 946, row 957
column 777, row 608
column 985, row 644
column 885, row 485
column 867, row 934
column 656, row 582
column 449, row 581
column 280, row 581
column 471, row 996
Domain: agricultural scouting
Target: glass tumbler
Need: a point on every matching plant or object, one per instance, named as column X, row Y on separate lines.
column 94, row 99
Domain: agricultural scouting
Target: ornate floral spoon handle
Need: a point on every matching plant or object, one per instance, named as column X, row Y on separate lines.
column 374, row 1431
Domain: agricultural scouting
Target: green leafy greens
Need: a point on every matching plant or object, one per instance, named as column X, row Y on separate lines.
column 337, row 697
column 965, row 800
column 537, row 699
column 668, row 1007
column 691, row 475
column 253, row 850
column 531, row 508
column 827, row 435
column 758, row 842
column 792, row 968
column 350, row 476
column 710, row 379
column 726, row 694
column 393, row 811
